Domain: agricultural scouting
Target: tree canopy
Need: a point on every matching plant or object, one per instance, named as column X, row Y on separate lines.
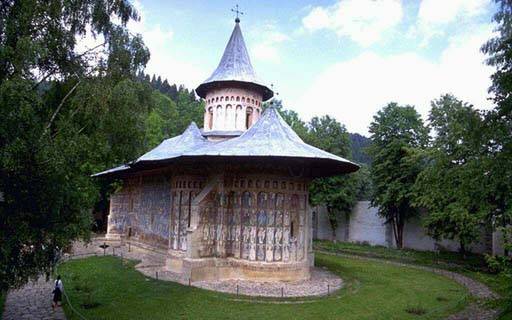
column 451, row 186
column 65, row 114
column 397, row 133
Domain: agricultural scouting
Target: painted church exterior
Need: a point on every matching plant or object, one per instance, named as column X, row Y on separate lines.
column 229, row 201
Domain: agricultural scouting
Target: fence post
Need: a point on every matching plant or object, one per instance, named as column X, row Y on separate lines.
column 328, row 289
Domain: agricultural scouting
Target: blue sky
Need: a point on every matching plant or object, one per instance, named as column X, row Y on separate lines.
column 345, row 58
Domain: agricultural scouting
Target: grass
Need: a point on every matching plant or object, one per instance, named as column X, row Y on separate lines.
column 442, row 259
column 373, row 290
column 473, row 265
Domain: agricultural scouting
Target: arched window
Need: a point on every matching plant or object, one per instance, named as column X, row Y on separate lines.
column 238, row 98
column 221, row 99
column 218, row 117
column 238, row 117
column 217, row 99
column 232, row 98
column 230, row 121
column 227, row 98
column 248, row 118
column 210, row 117
column 243, row 99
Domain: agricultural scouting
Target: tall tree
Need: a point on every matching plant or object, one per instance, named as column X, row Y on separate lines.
column 499, row 120
column 338, row 193
column 397, row 132
column 499, row 127
column 452, row 186
column 48, row 143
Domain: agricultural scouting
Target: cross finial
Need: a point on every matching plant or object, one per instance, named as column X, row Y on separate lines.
column 238, row 12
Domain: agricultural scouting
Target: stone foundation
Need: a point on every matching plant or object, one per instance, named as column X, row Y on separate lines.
column 229, row 268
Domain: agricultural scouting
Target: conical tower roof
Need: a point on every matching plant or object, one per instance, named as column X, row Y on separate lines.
column 235, row 67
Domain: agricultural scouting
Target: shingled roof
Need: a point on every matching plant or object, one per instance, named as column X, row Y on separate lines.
column 235, row 67
column 269, row 138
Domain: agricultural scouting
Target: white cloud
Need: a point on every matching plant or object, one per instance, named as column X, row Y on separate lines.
column 442, row 11
column 434, row 15
column 364, row 21
column 354, row 90
column 267, row 41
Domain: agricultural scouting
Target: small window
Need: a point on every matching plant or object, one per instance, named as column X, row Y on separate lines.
column 248, row 118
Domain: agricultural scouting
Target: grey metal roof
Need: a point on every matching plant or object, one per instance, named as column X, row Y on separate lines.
column 270, row 137
column 235, row 66
column 180, row 145
column 121, row 168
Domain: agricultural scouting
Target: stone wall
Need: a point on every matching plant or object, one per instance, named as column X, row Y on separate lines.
column 364, row 225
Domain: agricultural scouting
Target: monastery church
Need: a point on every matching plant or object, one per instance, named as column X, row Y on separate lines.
column 230, row 200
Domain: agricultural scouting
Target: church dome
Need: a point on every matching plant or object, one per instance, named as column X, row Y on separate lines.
column 234, row 69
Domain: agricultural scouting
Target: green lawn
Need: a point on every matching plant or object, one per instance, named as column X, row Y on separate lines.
column 473, row 265
column 443, row 259
column 373, row 290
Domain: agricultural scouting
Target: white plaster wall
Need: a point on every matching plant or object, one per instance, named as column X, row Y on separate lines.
column 367, row 226
column 227, row 114
column 322, row 228
column 416, row 238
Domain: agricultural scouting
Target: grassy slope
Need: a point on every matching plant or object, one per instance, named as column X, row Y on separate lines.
column 472, row 265
column 373, row 290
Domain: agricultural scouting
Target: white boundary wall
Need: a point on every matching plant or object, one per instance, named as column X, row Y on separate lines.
column 364, row 225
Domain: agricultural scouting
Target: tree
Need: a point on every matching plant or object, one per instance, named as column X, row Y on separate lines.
column 359, row 146
column 452, row 185
column 499, row 126
column 397, row 132
column 338, row 193
column 161, row 122
column 499, row 121
column 50, row 140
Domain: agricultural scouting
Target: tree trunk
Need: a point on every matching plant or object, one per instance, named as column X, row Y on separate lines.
column 462, row 249
column 333, row 235
column 398, row 231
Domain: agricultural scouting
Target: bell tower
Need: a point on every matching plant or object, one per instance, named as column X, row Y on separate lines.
column 233, row 94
